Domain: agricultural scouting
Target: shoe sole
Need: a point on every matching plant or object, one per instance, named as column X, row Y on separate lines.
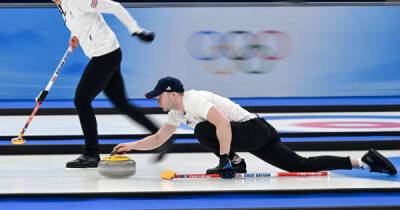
column 72, row 169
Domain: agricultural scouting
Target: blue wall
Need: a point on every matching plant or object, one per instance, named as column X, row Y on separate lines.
column 237, row 52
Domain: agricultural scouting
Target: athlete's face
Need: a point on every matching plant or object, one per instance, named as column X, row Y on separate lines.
column 165, row 101
column 57, row 1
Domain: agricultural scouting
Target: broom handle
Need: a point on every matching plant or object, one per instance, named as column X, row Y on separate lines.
column 252, row 175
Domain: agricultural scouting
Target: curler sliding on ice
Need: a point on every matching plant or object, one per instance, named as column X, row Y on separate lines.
column 224, row 127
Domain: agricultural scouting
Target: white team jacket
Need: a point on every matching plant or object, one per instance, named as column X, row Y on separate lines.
column 85, row 21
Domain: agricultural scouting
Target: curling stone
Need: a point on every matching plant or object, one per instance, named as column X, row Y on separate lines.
column 117, row 166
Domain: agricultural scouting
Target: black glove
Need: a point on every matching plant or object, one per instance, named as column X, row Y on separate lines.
column 225, row 168
column 145, row 36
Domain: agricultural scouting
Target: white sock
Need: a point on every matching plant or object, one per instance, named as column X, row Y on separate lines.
column 363, row 165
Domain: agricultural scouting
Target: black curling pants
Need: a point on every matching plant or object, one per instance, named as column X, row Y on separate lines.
column 262, row 140
column 103, row 73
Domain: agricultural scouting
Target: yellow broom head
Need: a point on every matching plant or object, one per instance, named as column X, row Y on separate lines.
column 18, row 140
column 168, row 174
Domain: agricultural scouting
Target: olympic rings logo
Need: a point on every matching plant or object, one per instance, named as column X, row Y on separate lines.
column 227, row 53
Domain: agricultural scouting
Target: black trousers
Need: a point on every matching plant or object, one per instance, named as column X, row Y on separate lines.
column 262, row 140
column 103, row 73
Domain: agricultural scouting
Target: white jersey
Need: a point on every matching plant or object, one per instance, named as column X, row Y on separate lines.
column 85, row 21
column 197, row 104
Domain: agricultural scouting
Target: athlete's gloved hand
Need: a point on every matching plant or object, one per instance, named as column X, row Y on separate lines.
column 225, row 168
column 145, row 36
